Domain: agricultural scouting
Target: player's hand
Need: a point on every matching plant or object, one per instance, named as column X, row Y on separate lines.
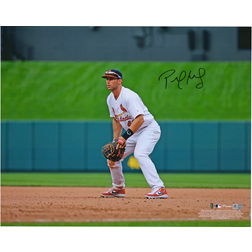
column 121, row 141
column 111, row 152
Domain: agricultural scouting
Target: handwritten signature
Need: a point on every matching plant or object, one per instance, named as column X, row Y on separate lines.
column 182, row 76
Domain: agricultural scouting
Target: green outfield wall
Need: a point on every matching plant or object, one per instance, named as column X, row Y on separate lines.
column 75, row 146
column 75, row 90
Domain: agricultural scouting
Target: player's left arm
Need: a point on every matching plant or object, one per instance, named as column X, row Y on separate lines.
column 135, row 108
column 136, row 124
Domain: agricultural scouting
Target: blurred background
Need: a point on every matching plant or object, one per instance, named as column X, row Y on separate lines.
column 54, row 112
column 99, row 43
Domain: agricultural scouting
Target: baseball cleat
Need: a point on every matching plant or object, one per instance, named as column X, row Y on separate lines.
column 159, row 193
column 114, row 193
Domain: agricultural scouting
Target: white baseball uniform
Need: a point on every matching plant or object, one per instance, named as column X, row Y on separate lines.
column 125, row 109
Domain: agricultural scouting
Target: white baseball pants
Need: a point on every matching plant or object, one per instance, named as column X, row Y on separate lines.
column 142, row 144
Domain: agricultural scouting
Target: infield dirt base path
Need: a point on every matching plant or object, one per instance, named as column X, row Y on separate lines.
column 81, row 204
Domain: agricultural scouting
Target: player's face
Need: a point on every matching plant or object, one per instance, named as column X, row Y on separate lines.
column 112, row 83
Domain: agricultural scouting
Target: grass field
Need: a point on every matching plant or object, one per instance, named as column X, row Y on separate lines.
column 171, row 180
column 76, row 91
column 214, row 223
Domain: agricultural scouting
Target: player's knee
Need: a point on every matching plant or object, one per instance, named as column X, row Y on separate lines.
column 139, row 155
column 111, row 164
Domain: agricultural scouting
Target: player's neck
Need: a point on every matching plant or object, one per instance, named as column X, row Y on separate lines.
column 117, row 92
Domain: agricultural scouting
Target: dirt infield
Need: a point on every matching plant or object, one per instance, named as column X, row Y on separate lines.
column 43, row 204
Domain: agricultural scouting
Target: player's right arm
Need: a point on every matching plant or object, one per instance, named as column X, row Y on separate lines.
column 117, row 129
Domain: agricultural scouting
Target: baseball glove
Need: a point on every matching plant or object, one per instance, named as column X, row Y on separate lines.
column 112, row 153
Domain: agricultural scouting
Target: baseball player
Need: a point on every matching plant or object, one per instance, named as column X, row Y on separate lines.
column 142, row 133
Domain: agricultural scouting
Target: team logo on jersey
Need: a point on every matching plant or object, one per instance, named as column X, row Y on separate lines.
column 122, row 108
column 124, row 111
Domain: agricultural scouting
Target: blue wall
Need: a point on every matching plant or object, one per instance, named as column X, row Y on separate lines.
column 76, row 147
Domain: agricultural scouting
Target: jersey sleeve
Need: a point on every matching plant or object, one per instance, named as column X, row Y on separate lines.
column 135, row 105
column 111, row 113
